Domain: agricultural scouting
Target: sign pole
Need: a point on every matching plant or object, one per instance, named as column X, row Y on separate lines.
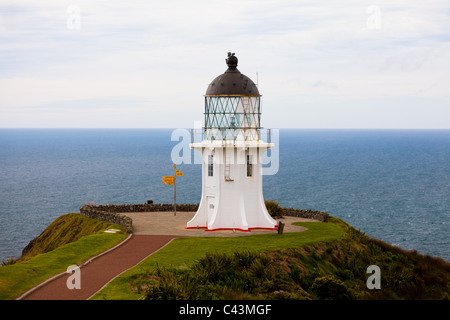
column 175, row 190
column 172, row 180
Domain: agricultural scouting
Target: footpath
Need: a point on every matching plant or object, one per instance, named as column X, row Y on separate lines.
column 149, row 235
column 101, row 270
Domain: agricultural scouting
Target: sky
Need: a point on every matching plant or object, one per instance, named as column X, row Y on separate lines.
column 147, row 64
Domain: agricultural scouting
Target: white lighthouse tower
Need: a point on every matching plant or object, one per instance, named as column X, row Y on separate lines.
column 232, row 150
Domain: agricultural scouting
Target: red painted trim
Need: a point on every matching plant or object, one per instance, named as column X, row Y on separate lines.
column 239, row 229
column 248, row 230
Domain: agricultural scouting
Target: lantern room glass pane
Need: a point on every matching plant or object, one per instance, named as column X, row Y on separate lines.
column 232, row 112
column 232, row 117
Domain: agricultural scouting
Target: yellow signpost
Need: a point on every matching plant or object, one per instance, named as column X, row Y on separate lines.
column 168, row 180
column 171, row 180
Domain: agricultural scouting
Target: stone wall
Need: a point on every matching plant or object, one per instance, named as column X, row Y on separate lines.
column 111, row 212
column 94, row 212
column 144, row 207
column 306, row 213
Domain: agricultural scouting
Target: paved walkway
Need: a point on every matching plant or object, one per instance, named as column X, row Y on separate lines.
column 152, row 231
column 94, row 275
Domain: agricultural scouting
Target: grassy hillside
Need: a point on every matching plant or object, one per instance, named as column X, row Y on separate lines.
column 329, row 261
column 70, row 239
column 63, row 230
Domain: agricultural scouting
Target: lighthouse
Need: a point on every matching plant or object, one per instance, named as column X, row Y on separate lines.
column 232, row 144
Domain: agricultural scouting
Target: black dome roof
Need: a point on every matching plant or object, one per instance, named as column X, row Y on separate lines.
column 232, row 81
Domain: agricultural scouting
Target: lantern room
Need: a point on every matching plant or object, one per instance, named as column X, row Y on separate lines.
column 232, row 106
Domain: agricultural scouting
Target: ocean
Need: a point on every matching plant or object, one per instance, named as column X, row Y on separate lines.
column 393, row 185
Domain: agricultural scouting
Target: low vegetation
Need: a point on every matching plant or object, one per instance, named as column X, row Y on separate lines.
column 70, row 239
column 63, row 230
column 182, row 253
column 274, row 209
column 329, row 270
column 328, row 261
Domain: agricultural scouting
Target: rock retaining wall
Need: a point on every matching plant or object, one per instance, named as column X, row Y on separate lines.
column 144, row 207
column 111, row 212
column 97, row 213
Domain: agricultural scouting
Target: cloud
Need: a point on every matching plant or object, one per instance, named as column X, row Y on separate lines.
column 167, row 52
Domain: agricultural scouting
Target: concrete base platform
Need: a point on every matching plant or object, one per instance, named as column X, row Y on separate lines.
column 165, row 223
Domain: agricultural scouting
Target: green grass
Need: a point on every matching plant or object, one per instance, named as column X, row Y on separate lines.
column 21, row 276
column 302, row 265
column 328, row 261
column 63, row 230
column 183, row 252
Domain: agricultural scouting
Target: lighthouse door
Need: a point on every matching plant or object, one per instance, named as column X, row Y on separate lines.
column 210, row 204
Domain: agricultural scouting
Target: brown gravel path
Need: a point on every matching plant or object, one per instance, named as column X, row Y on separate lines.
column 101, row 270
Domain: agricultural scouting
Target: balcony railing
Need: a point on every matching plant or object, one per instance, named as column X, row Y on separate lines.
column 241, row 134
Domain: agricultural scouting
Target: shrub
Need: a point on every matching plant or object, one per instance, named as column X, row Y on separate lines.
column 295, row 272
column 214, row 276
column 9, row 261
column 329, row 288
column 273, row 208
column 172, row 285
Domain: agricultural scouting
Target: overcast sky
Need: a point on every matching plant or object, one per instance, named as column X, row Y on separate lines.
column 147, row 64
